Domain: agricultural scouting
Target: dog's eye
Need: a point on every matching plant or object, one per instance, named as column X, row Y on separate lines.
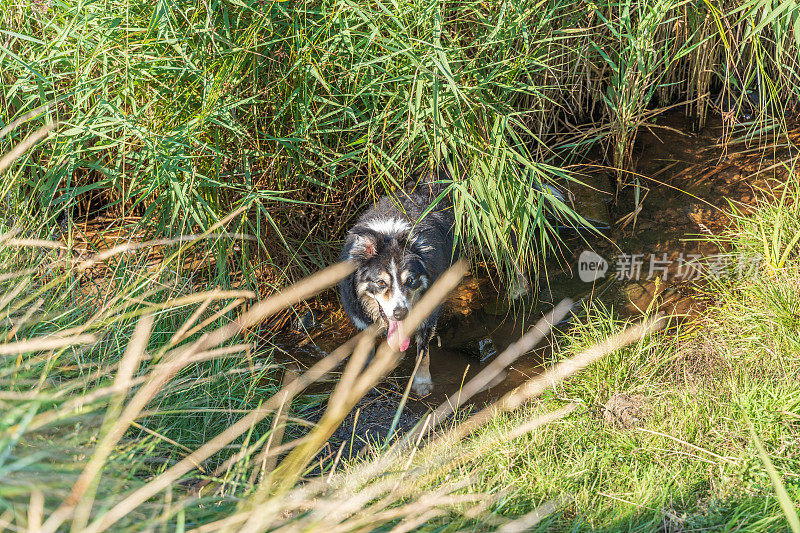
column 381, row 284
column 411, row 280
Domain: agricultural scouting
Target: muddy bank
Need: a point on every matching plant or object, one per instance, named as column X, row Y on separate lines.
column 653, row 248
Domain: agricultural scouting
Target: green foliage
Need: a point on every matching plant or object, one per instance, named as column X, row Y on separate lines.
column 714, row 405
column 299, row 112
column 687, row 461
column 294, row 114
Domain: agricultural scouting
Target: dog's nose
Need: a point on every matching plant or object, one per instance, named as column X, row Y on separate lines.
column 400, row 313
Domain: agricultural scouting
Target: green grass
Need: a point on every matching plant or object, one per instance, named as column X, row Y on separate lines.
column 181, row 112
column 279, row 121
column 49, row 430
column 691, row 462
column 692, row 457
column 717, row 400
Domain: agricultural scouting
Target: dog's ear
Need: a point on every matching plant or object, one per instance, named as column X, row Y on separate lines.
column 415, row 243
column 362, row 245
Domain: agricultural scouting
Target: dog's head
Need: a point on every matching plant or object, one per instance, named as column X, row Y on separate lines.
column 390, row 278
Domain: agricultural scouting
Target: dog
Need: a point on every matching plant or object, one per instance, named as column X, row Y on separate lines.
column 398, row 254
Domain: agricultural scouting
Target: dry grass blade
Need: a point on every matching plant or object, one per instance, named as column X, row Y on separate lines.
column 434, row 296
column 352, row 387
column 26, row 117
column 513, row 399
column 13, row 293
column 178, row 336
column 50, row 416
column 40, row 345
column 133, row 246
column 178, row 358
column 212, row 446
column 541, row 420
column 36, row 243
column 363, row 512
column 687, row 444
column 47, row 417
column 291, row 295
column 25, row 145
column 268, row 453
column 35, row 511
column 354, row 383
column 169, row 304
column 202, row 297
column 267, row 459
column 18, row 274
column 22, row 322
column 446, row 462
column 530, row 520
column 199, row 327
column 537, row 385
column 342, row 400
column 10, row 235
column 116, row 428
column 524, row 345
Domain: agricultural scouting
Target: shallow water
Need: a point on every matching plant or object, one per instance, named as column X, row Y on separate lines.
column 685, row 180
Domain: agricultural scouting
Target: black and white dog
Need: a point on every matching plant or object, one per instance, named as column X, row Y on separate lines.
column 398, row 255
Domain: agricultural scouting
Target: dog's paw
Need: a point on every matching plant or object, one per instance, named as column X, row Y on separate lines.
column 422, row 387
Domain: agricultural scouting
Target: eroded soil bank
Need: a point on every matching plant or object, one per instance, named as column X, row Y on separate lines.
column 682, row 192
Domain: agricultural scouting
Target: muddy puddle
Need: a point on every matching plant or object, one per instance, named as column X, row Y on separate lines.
column 685, row 181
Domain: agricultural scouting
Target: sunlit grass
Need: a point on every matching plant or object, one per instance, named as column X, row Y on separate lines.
column 708, row 409
column 137, row 392
column 299, row 114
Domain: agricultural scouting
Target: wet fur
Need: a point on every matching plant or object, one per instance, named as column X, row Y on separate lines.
column 392, row 236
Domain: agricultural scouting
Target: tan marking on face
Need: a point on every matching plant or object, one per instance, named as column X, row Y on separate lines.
column 369, row 300
column 387, row 279
column 386, row 295
column 416, row 294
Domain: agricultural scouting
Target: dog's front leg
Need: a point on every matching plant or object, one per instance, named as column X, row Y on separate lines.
column 423, row 384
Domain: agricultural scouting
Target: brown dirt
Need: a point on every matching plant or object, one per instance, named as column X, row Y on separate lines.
column 687, row 181
column 624, row 411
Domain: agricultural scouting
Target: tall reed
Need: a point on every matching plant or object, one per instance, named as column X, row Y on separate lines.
column 298, row 114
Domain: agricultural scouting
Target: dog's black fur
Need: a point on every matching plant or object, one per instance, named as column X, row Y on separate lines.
column 399, row 253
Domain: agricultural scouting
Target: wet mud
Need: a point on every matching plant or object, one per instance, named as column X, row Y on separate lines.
column 653, row 234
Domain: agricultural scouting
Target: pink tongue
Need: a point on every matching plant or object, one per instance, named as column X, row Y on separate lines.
column 396, row 340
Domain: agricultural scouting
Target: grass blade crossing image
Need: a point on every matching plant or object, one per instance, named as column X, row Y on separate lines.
column 399, row 266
